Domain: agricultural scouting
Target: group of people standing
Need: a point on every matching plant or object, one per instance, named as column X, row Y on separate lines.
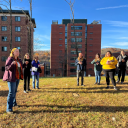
column 108, row 64
column 14, row 72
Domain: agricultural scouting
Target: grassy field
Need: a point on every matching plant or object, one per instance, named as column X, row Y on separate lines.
column 59, row 103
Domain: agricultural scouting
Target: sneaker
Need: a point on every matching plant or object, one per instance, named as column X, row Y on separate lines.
column 115, row 87
column 25, row 91
column 37, row 88
column 95, row 83
column 122, row 82
column 77, row 84
column 107, row 87
column 98, row 83
column 11, row 112
column 28, row 90
column 82, row 85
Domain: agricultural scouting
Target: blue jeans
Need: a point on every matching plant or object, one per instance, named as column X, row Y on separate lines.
column 98, row 76
column 37, row 81
column 11, row 99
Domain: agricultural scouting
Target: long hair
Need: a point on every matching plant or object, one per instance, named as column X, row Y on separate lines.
column 97, row 58
column 109, row 52
column 80, row 59
column 25, row 55
column 12, row 52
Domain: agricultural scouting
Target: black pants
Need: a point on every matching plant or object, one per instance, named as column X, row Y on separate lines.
column 26, row 80
column 121, row 72
column 82, row 77
column 110, row 73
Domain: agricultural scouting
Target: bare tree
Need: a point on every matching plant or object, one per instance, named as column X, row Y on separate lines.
column 71, row 4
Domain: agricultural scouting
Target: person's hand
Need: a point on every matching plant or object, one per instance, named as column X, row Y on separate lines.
column 123, row 60
column 80, row 62
column 26, row 62
column 108, row 62
column 97, row 63
column 14, row 62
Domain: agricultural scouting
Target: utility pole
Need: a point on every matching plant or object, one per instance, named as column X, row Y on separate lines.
column 10, row 26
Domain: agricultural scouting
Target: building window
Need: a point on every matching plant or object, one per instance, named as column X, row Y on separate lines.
column 90, row 56
column 90, row 45
column 73, row 58
column 3, row 68
column 4, row 49
column 76, row 34
column 72, row 64
column 76, row 27
column 60, row 38
column 74, row 52
column 60, row 33
column 78, row 46
column 90, row 51
column 4, row 58
column 4, row 28
column 90, row 69
column 77, row 39
column 17, row 39
column 91, row 32
column 72, row 70
column 4, row 38
column 4, row 18
column 60, row 44
column 60, row 27
column 91, row 26
column 60, row 51
column 66, row 34
column 65, row 41
column 17, row 18
column 17, row 29
column 90, row 39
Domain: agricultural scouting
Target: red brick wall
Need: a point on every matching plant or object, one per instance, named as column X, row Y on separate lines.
column 96, row 45
column 23, row 44
column 57, row 56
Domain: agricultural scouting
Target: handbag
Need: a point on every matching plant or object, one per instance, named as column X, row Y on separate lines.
column 39, row 70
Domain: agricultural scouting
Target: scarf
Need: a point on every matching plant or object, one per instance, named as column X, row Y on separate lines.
column 17, row 73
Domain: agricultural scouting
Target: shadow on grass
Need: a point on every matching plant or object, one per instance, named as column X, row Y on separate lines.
column 77, row 109
column 3, row 93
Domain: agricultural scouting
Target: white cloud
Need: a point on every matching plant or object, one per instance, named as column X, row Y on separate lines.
column 121, row 43
column 123, row 38
column 121, row 6
column 117, row 23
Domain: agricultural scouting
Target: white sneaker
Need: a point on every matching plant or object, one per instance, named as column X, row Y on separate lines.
column 25, row 92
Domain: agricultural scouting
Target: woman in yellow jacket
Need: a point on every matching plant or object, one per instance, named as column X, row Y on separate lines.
column 109, row 67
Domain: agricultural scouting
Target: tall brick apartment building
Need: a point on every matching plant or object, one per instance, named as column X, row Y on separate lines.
column 63, row 54
column 20, row 34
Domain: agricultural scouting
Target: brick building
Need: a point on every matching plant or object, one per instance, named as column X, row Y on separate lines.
column 20, row 34
column 63, row 52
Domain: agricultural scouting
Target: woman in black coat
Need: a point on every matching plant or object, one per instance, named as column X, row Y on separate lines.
column 27, row 72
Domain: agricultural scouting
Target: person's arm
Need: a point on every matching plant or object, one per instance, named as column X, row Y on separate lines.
column 76, row 62
column 93, row 62
column 103, row 61
column 118, row 58
column 32, row 63
column 114, row 62
column 9, row 64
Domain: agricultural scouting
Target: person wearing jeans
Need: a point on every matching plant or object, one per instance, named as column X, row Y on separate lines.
column 97, row 68
column 13, row 73
column 109, row 67
column 122, row 60
column 81, row 65
column 35, row 73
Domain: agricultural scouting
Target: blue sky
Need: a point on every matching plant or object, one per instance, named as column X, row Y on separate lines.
column 112, row 13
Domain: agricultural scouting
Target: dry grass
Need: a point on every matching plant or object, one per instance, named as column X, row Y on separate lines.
column 61, row 104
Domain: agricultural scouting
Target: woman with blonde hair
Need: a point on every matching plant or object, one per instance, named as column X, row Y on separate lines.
column 97, row 68
column 81, row 67
column 27, row 72
column 13, row 73
column 109, row 63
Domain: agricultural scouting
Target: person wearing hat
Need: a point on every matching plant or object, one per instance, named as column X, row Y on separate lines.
column 13, row 73
column 81, row 66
